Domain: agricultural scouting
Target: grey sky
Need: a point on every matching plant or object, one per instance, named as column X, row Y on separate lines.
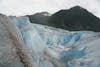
column 24, row 7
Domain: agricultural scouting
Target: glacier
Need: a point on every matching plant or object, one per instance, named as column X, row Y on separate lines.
column 53, row 47
column 23, row 44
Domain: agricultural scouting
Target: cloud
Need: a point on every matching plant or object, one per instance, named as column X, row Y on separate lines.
column 24, row 7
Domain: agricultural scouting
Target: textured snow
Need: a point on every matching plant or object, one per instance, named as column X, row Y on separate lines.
column 52, row 47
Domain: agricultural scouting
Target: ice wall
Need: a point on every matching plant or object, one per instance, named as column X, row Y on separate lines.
column 11, row 45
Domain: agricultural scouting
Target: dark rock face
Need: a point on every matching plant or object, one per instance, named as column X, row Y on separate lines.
column 75, row 19
column 40, row 18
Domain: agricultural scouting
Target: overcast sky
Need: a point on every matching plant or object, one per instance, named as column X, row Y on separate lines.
column 26, row 7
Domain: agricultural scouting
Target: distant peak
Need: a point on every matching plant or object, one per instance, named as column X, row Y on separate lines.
column 77, row 7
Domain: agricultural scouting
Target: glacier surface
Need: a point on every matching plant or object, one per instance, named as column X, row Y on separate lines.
column 52, row 47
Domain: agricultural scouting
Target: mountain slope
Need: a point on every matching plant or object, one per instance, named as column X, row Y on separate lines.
column 76, row 18
column 40, row 18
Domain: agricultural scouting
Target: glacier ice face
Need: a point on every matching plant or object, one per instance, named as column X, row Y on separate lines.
column 52, row 47
column 78, row 49
column 9, row 38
